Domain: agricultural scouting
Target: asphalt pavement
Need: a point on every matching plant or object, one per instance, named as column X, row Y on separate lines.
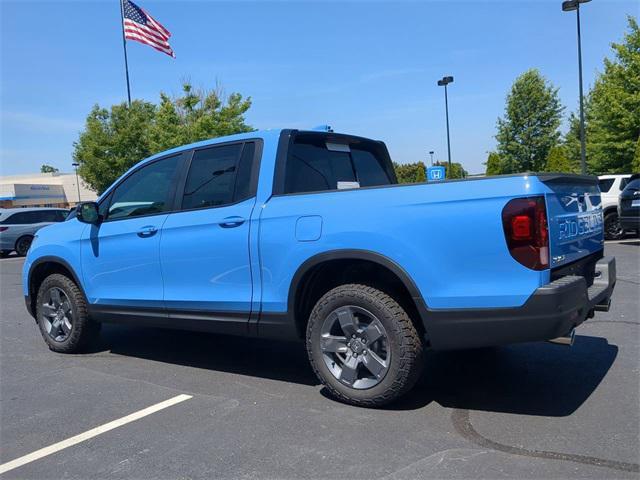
column 253, row 409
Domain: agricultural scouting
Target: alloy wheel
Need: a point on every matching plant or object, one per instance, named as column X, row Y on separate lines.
column 57, row 314
column 612, row 228
column 355, row 347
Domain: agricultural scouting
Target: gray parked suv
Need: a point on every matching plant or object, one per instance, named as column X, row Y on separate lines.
column 19, row 225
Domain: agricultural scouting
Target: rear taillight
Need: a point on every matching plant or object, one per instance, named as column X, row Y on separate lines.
column 2, row 229
column 525, row 228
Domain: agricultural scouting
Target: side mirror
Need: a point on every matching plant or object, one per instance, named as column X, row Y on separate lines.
column 87, row 212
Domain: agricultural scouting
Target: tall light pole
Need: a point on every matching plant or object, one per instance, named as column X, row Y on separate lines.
column 76, row 165
column 431, row 153
column 570, row 6
column 443, row 83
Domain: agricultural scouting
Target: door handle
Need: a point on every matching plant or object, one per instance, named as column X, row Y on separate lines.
column 148, row 231
column 231, row 222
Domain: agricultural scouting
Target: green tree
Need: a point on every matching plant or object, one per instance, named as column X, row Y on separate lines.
column 115, row 139
column 48, row 169
column 558, row 161
column 530, row 124
column 494, row 164
column 635, row 166
column 410, row 172
column 613, row 108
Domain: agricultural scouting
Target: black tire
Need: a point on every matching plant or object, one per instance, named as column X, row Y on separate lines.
column 82, row 332
column 23, row 244
column 404, row 344
column 612, row 228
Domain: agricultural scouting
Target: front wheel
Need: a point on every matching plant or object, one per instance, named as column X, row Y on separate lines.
column 612, row 228
column 61, row 312
column 363, row 346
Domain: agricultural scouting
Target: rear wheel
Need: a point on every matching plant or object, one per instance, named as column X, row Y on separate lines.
column 363, row 346
column 61, row 312
column 23, row 244
column 612, row 228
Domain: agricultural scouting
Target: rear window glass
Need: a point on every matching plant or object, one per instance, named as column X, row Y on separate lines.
column 605, row 184
column 634, row 184
column 318, row 163
column 623, row 183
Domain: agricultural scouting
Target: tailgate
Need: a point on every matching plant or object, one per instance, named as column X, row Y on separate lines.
column 574, row 215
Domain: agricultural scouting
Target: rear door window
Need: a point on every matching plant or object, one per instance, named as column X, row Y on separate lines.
column 212, row 177
column 52, row 216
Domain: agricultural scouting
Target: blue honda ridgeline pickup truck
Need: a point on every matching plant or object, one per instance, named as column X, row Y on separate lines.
column 306, row 235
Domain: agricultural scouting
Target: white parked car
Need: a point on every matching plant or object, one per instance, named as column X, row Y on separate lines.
column 19, row 225
column 611, row 186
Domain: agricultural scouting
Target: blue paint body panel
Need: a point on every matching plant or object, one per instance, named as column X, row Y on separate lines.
column 447, row 236
column 206, row 266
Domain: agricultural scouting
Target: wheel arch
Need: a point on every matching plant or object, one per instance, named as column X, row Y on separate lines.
column 395, row 280
column 40, row 269
column 609, row 209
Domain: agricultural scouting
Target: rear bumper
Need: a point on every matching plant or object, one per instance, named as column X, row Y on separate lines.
column 552, row 311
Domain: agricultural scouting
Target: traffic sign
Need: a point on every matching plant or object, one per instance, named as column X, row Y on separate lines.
column 435, row 174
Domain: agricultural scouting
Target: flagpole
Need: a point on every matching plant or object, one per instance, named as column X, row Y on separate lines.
column 124, row 45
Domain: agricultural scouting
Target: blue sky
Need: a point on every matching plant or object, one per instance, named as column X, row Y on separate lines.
column 368, row 68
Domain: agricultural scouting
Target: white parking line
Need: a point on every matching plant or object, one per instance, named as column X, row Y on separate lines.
column 94, row 432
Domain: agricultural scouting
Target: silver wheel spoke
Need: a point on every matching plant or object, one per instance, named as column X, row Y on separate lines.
column 374, row 331
column 355, row 347
column 56, row 315
column 349, row 372
column 374, row 363
column 347, row 321
column 333, row 344
column 65, row 324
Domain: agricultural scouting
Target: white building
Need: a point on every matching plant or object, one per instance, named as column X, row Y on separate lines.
column 43, row 190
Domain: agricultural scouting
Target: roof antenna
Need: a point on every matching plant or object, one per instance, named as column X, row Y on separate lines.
column 323, row 128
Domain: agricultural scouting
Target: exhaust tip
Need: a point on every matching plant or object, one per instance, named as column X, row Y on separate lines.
column 566, row 340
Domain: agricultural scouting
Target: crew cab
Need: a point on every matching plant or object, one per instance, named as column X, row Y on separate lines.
column 306, row 235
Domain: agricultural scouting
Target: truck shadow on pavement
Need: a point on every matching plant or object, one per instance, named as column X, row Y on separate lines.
column 527, row 379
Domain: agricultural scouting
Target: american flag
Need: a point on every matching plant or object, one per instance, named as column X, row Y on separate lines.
column 143, row 28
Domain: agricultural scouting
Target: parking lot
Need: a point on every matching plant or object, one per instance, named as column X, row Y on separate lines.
column 253, row 409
